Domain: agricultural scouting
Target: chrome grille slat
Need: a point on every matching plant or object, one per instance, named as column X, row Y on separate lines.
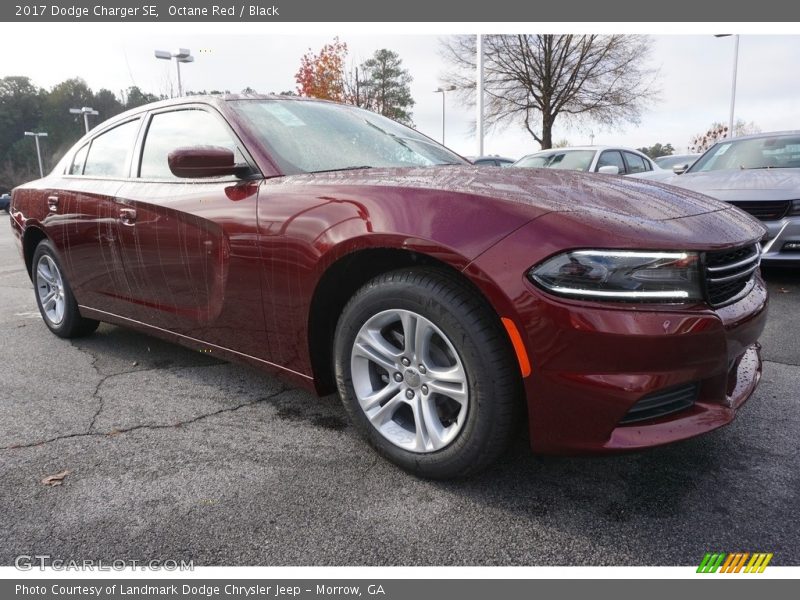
column 738, row 275
column 735, row 265
column 729, row 273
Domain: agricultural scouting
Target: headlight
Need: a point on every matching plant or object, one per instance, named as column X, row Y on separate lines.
column 794, row 210
column 621, row 275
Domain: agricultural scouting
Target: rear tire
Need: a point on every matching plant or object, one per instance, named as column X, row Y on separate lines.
column 442, row 404
column 54, row 297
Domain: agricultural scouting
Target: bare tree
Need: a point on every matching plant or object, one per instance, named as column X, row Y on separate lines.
column 718, row 131
column 601, row 79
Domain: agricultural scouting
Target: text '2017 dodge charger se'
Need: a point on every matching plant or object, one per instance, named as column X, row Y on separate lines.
column 442, row 300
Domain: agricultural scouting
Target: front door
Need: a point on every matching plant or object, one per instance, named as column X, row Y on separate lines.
column 189, row 246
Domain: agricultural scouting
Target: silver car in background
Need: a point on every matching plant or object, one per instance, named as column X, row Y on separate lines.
column 760, row 174
column 676, row 163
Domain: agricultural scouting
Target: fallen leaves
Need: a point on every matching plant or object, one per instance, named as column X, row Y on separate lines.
column 784, row 291
column 57, row 479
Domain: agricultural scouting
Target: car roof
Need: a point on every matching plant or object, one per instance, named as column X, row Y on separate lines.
column 213, row 99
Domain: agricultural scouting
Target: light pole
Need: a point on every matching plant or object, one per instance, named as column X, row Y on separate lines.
column 85, row 111
column 181, row 55
column 479, row 90
column 733, row 79
column 443, row 91
column 36, row 136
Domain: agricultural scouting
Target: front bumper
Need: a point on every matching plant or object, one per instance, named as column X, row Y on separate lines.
column 597, row 363
column 779, row 234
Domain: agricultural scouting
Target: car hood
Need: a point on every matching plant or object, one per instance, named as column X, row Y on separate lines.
column 743, row 184
column 543, row 190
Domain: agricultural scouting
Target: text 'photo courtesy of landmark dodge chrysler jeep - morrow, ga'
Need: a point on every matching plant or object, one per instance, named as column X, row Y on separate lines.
column 445, row 302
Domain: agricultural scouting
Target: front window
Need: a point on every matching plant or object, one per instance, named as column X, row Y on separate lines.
column 314, row 137
column 781, row 152
column 180, row 128
column 573, row 160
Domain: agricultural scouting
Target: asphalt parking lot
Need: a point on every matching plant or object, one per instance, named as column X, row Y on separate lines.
column 175, row 455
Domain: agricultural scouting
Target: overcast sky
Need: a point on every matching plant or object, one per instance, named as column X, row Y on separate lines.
column 694, row 77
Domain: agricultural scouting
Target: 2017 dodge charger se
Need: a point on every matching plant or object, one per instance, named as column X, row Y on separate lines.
column 443, row 301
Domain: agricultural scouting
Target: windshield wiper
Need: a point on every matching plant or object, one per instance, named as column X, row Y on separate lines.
column 352, row 168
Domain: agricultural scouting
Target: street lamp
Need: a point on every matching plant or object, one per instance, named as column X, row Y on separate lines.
column 733, row 81
column 85, row 111
column 479, row 125
column 36, row 136
column 443, row 91
column 181, row 55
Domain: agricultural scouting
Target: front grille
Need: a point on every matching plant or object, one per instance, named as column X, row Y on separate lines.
column 729, row 273
column 662, row 403
column 771, row 210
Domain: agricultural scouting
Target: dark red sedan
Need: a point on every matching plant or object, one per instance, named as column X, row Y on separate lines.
column 443, row 301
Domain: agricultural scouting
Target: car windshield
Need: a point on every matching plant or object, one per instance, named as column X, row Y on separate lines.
column 575, row 160
column 315, row 137
column 778, row 152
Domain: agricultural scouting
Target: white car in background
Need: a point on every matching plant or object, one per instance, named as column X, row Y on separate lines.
column 610, row 160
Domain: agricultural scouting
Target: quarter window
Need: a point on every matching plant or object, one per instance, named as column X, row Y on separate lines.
column 76, row 168
column 110, row 152
column 177, row 129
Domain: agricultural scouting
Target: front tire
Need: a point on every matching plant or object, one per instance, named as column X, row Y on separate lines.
column 54, row 297
column 426, row 373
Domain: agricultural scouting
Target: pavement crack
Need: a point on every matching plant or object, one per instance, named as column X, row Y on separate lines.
column 90, row 432
column 785, row 364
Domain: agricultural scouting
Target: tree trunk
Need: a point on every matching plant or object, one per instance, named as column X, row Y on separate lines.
column 547, row 131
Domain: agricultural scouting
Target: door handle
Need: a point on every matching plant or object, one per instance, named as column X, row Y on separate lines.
column 52, row 202
column 127, row 216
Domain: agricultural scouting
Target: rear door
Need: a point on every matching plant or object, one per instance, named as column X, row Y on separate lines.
column 189, row 246
column 84, row 222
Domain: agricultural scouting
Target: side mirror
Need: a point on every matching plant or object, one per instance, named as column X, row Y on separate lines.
column 680, row 169
column 202, row 161
column 609, row 170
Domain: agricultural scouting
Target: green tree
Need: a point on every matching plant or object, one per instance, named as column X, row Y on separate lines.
column 657, row 150
column 133, row 97
column 20, row 108
column 382, row 84
column 63, row 129
column 105, row 103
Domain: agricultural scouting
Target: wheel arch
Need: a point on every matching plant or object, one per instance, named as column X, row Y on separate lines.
column 31, row 238
column 343, row 277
